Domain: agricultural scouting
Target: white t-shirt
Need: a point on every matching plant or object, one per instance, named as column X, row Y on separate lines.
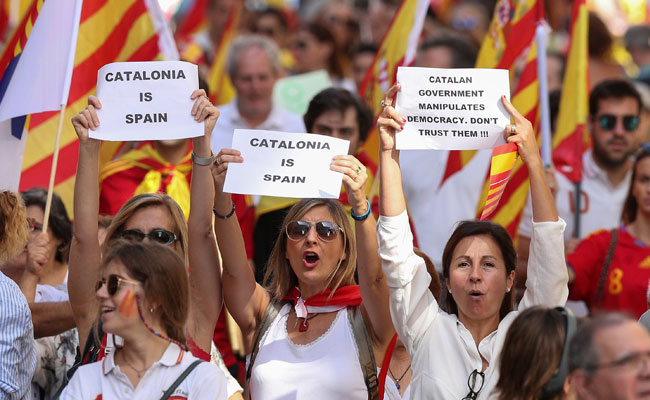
column 601, row 204
column 442, row 349
column 103, row 379
column 327, row 368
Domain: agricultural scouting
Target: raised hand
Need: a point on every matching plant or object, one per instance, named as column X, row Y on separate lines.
column 37, row 253
column 204, row 110
column 220, row 166
column 522, row 134
column 355, row 176
column 389, row 120
column 87, row 119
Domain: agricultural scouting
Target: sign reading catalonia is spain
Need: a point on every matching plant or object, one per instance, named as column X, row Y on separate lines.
column 147, row 101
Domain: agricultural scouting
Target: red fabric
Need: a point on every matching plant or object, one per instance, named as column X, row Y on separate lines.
column 245, row 211
column 385, row 366
column 627, row 279
column 221, row 340
column 196, row 350
column 344, row 296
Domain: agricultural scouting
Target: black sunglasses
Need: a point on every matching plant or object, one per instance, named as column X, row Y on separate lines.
column 608, row 122
column 326, row 230
column 33, row 225
column 475, row 384
column 159, row 235
column 113, row 283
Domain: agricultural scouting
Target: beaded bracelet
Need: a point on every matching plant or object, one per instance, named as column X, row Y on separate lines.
column 216, row 214
column 363, row 216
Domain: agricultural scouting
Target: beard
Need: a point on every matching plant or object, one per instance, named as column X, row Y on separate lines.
column 608, row 160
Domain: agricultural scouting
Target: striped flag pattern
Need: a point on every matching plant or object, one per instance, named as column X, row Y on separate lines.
column 109, row 31
column 221, row 89
column 190, row 17
column 568, row 143
column 503, row 159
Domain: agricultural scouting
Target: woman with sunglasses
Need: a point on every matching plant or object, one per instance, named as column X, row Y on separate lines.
column 455, row 353
column 136, row 303
column 149, row 217
column 301, row 329
column 610, row 269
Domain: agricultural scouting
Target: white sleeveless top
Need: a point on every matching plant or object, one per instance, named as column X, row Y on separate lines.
column 327, row 368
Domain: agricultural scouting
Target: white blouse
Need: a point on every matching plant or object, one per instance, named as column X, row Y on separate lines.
column 442, row 349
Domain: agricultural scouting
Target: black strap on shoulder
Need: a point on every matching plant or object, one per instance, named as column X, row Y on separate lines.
column 598, row 296
column 366, row 352
column 180, row 379
column 272, row 311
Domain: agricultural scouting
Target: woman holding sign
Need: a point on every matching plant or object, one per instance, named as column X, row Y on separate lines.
column 312, row 332
column 455, row 353
column 146, row 217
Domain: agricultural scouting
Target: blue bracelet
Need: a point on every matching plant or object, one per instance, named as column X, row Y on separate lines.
column 363, row 216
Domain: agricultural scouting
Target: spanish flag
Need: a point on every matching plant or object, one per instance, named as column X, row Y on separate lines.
column 569, row 140
column 109, row 31
column 503, row 160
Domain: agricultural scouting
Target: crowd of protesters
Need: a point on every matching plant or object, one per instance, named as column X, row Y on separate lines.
column 164, row 286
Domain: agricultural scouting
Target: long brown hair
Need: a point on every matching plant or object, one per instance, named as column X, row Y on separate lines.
column 13, row 226
column 503, row 241
column 145, row 200
column 163, row 276
column 631, row 206
column 531, row 354
column 279, row 277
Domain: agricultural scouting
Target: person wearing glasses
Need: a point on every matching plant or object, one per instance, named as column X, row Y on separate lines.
column 455, row 353
column 609, row 270
column 148, row 217
column 143, row 296
column 613, row 123
column 609, row 359
column 311, row 332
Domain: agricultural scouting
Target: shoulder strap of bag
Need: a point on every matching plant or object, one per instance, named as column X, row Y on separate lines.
column 272, row 311
column 180, row 379
column 598, row 296
column 366, row 352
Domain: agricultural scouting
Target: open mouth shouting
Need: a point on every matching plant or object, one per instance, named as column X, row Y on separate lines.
column 310, row 259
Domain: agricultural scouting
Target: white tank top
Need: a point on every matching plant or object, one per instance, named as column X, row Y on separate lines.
column 327, row 368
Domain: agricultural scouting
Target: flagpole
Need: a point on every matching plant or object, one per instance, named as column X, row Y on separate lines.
column 55, row 161
column 545, row 119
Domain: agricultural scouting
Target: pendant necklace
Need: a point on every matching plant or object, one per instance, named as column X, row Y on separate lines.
column 400, row 378
column 138, row 372
column 305, row 324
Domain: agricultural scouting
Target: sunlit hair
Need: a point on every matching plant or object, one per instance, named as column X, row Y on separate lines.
column 531, row 354
column 164, row 280
column 142, row 201
column 503, row 242
column 279, row 277
column 13, row 226
column 631, row 206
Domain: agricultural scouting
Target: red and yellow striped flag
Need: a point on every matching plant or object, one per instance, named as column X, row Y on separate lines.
column 190, row 17
column 511, row 32
column 569, row 139
column 398, row 48
column 221, row 89
column 503, row 159
column 109, row 31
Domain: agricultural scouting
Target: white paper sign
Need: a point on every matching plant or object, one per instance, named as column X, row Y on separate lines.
column 147, row 101
column 285, row 164
column 452, row 109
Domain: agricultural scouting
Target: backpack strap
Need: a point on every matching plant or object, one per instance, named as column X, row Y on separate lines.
column 272, row 311
column 180, row 379
column 366, row 352
column 598, row 296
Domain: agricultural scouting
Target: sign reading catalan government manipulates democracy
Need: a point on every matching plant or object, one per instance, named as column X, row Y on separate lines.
column 452, row 109
column 285, row 164
column 147, row 101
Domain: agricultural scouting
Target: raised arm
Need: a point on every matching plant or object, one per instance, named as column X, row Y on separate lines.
column 374, row 289
column 84, row 251
column 246, row 300
column 547, row 277
column 205, row 270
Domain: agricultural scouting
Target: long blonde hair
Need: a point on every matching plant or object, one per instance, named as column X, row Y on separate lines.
column 150, row 200
column 13, row 226
column 279, row 277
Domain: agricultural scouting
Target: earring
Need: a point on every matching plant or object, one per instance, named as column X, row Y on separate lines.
column 151, row 309
column 449, row 290
column 508, row 290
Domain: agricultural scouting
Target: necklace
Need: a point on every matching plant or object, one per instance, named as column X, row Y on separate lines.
column 400, row 378
column 138, row 372
column 303, row 327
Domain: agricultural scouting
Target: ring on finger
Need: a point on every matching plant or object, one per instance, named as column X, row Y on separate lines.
column 216, row 161
column 513, row 129
column 383, row 103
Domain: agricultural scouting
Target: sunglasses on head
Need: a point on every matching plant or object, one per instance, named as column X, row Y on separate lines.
column 326, row 230
column 608, row 122
column 113, row 283
column 159, row 235
column 33, row 225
